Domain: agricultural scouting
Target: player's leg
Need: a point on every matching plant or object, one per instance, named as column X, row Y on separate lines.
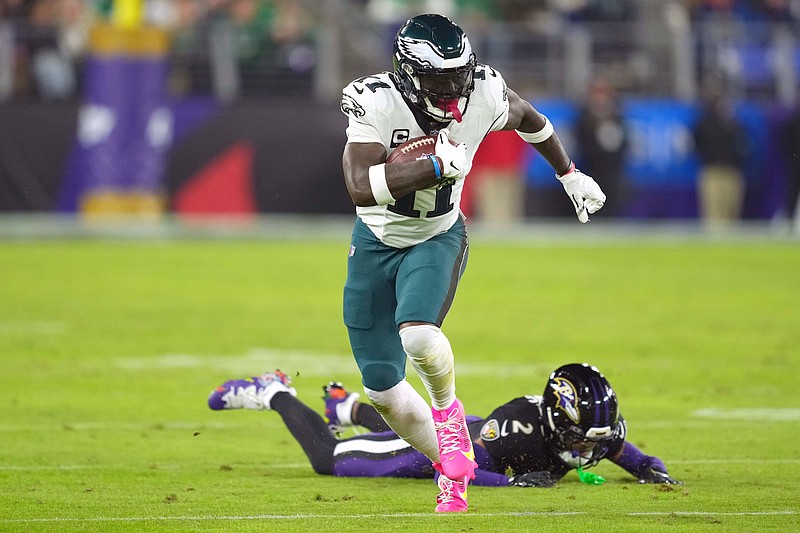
column 253, row 393
column 380, row 455
column 343, row 409
column 426, row 284
column 309, row 429
column 272, row 391
column 369, row 314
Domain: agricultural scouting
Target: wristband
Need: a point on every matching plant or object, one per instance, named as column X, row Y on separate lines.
column 539, row 136
column 436, row 167
column 570, row 168
column 377, row 182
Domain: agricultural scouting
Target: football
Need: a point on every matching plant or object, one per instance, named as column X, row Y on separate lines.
column 413, row 149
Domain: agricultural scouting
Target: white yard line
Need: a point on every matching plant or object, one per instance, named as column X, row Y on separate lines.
column 381, row 515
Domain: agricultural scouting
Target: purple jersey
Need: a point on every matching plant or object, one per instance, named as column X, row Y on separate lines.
column 513, row 436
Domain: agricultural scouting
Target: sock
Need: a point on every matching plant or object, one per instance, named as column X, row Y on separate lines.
column 408, row 414
column 366, row 416
column 432, row 357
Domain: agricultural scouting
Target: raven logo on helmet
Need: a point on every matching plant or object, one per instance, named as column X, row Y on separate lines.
column 567, row 398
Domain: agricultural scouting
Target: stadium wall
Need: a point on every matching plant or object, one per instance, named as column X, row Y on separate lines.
column 284, row 156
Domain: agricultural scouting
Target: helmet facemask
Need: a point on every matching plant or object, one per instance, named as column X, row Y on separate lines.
column 577, row 448
column 442, row 93
column 582, row 414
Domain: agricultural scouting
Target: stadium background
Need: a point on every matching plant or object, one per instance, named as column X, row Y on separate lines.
column 212, row 107
column 119, row 311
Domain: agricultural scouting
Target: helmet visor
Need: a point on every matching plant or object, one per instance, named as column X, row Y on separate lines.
column 455, row 83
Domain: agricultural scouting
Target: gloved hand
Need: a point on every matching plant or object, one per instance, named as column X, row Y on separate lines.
column 652, row 475
column 653, row 471
column 584, row 192
column 454, row 158
column 533, row 479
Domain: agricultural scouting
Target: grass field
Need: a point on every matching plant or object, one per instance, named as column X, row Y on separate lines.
column 109, row 349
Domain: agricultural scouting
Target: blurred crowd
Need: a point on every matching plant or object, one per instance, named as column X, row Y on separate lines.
column 747, row 10
column 578, row 10
column 43, row 42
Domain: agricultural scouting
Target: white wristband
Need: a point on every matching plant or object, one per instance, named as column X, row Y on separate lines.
column 377, row 182
column 540, row 136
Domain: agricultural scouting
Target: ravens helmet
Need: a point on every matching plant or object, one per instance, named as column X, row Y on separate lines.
column 435, row 65
column 582, row 413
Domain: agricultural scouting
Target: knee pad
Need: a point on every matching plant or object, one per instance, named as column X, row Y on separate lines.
column 426, row 346
column 393, row 402
column 420, row 341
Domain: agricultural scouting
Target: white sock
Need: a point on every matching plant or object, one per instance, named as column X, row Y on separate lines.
column 408, row 414
column 432, row 357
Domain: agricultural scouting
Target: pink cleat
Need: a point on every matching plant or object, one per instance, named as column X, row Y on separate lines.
column 455, row 447
column 452, row 496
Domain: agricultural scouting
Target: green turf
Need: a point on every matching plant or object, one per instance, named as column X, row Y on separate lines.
column 109, row 350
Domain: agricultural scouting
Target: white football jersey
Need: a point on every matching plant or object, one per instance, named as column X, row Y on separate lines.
column 378, row 113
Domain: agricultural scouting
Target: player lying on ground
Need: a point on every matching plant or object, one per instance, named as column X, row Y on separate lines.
column 538, row 439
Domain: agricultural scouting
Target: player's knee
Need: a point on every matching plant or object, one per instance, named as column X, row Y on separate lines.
column 419, row 342
column 387, row 400
column 381, row 376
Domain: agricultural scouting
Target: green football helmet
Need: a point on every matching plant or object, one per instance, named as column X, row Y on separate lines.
column 435, row 65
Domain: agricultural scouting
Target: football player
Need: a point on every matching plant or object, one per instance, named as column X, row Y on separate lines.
column 532, row 441
column 409, row 246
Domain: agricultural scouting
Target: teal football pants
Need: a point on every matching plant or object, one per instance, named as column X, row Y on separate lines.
column 388, row 286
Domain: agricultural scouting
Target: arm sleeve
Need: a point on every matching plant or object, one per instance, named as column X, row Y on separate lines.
column 637, row 463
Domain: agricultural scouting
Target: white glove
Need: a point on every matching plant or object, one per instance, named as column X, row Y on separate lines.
column 584, row 192
column 454, row 157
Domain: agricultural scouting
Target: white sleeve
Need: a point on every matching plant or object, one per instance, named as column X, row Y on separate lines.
column 359, row 107
column 500, row 92
column 361, row 132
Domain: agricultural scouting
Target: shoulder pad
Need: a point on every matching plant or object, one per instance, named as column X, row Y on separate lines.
column 365, row 94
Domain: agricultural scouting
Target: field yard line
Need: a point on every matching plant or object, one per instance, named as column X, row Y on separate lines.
column 307, row 362
column 289, row 466
column 772, row 414
column 381, row 515
column 265, row 517
column 121, row 466
column 714, row 513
